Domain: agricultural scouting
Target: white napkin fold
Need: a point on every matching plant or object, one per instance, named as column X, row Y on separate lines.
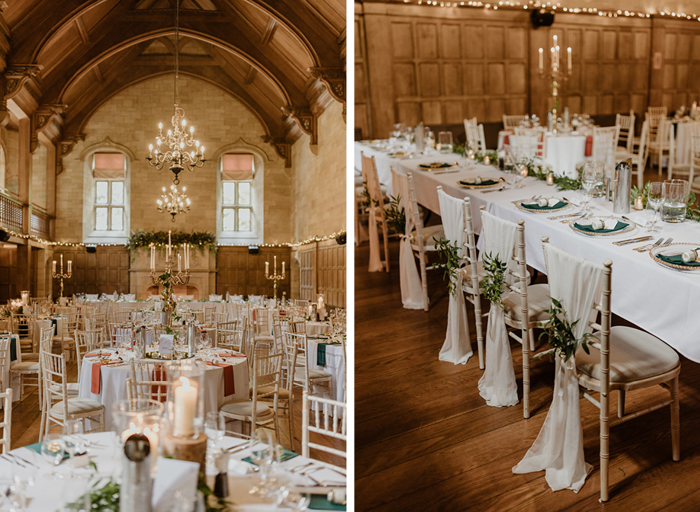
column 172, row 475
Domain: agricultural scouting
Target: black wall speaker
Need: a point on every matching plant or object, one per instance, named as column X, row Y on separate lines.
column 253, row 249
column 91, row 249
column 541, row 18
column 4, row 235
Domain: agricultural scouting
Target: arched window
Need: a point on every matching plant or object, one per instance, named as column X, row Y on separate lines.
column 240, row 197
column 106, row 213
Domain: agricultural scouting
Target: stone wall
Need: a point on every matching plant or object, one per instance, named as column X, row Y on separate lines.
column 130, row 120
column 320, row 177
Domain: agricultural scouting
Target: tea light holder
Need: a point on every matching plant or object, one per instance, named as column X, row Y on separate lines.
column 133, row 416
column 550, row 179
column 639, row 203
column 25, row 298
column 487, row 160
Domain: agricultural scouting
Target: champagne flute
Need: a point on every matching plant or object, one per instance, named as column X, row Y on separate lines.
column 53, row 451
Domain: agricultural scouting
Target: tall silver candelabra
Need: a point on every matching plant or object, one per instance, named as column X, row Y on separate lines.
column 60, row 275
column 168, row 278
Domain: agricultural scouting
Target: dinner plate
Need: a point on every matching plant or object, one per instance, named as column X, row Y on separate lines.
column 432, row 166
column 674, row 250
column 522, row 202
column 629, row 227
column 470, row 184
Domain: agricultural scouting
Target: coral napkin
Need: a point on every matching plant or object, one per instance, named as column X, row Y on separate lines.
column 229, row 385
column 96, row 373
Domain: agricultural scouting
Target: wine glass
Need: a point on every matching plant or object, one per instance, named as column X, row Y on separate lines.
column 53, row 451
column 445, row 142
column 72, row 440
column 262, row 454
column 654, row 201
column 214, row 428
column 589, row 181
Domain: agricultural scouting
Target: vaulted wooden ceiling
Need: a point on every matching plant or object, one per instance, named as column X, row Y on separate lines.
column 284, row 59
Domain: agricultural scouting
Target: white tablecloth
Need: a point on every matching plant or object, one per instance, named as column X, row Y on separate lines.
column 113, row 385
column 639, row 284
column 50, row 494
column 563, row 152
column 684, row 141
column 314, row 328
column 335, row 365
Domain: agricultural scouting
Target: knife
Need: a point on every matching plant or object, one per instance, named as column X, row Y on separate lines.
column 633, row 240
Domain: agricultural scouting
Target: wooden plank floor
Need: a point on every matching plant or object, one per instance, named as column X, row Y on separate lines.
column 426, row 440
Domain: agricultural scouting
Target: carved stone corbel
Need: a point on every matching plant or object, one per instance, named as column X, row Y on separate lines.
column 64, row 149
column 48, row 119
column 334, row 79
column 306, row 121
column 283, row 149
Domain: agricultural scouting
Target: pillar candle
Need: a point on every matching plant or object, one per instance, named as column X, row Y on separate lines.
column 54, row 266
column 267, row 268
column 541, row 59
column 553, row 60
column 185, row 404
column 568, row 59
column 275, row 264
column 283, row 269
column 70, row 263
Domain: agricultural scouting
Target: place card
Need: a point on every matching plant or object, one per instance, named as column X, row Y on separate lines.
column 165, row 344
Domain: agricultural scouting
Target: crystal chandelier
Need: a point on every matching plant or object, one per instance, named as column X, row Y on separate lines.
column 172, row 148
column 174, row 202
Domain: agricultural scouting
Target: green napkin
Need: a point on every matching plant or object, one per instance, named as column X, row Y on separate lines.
column 13, row 347
column 435, row 165
column 320, row 502
column 677, row 259
column 535, row 206
column 286, row 455
column 484, row 183
column 36, row 447
column 589, row 228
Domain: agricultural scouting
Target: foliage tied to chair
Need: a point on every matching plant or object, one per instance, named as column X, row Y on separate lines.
column 202, row 240
column 395, row 216
column 495, row 279
column 560, row 333
column 450, row 262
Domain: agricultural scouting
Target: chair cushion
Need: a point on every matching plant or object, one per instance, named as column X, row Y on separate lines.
column 25, row 366
column 282, row 394
column 538, row 302
column 80, row 406
column 299, row 374
column 430, row 234
column 634, row 355
column 245, row 409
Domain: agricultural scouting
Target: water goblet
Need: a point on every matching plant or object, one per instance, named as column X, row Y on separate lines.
column 654, row 201
column 214, row 428
column 53, row 451
column 444, row 142
column 72, row 440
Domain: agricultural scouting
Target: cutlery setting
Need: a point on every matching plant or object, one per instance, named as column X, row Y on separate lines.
column 659, row 243
column 633, row 240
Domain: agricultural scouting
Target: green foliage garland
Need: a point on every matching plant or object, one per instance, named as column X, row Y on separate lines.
column 202, row 240
column 395, row 216
column 560, row 333
column 562, row 182
column 691, row 213
column 449, row 262
column 495, row 279
column 461, row 149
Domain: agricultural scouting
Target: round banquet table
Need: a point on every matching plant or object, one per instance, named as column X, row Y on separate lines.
column 335, row 365
column 315, row 328
column 44, row 493
column 113, row 384
column 564, row 152
column 684, row 142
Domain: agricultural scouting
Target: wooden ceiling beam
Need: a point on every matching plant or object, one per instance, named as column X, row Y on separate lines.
column 165, row 60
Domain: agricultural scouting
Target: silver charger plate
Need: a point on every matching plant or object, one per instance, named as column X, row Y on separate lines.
column 631, row 226
column 519, row 204
column 672, row 250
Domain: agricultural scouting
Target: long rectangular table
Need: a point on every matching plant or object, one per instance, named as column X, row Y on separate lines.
column 657, row 299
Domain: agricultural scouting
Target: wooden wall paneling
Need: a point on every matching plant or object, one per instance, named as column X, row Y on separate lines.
column 242, row 273
column 307, row 272
column 104, row 271
column 331, row 272
column 8, row 264
column 363, row 110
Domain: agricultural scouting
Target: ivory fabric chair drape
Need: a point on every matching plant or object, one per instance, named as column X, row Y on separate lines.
column 411, row 287
column 457, row 347
column 558, row 449
column 497, row 385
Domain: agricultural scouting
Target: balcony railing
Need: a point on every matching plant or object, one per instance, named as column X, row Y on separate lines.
column 10, row 212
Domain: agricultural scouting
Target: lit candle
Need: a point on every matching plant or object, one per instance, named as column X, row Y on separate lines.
column 185, row 404
column 153, row 257
column 267, row 268
column 568, row 57
column 70, row 263
column 557, row 54
column 54, row 266
column 541, row 59
column 639, row 203
column 170, row 244
column 283, row 269
column 275, row 264
column 554, row 64
column 550, row 179
column 179, row 259
column 61, row 263
column 554, row 40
